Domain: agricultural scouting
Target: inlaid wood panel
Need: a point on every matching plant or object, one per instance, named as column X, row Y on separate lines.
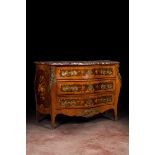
column 79, row 101
column 83, row 87
column 42, row 88
column 85, row 72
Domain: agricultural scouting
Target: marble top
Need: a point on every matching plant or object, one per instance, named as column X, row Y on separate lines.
column 94, row 62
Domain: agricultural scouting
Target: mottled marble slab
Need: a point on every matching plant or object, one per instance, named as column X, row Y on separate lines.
column 94, row 62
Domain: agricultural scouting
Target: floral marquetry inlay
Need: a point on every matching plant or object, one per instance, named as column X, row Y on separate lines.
column 86, row 87
column 42, row 88
column 85, row 102
column 84, row 72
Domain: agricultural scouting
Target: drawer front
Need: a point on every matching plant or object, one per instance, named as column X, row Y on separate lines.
column 85, row 72
column 87, row 101
column 83, row 87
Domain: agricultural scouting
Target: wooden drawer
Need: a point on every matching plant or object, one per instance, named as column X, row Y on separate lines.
column 83, row 87
column 85, row 72
column 85, row 101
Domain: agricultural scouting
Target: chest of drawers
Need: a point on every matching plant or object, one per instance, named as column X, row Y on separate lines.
column 76, row 88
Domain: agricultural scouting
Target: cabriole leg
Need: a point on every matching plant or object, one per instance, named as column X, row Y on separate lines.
column 53, row 124
column 115, row 114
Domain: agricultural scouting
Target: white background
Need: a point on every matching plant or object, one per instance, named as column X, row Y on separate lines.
column 142, row 77
column 13, row 77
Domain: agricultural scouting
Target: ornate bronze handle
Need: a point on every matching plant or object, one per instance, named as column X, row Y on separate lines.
column 89, row 112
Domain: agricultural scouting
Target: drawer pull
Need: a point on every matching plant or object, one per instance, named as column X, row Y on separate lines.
column 89, row 112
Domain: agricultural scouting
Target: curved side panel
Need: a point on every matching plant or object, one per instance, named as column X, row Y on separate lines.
column 42, row 88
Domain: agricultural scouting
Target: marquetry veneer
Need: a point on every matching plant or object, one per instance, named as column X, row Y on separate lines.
column 76, row 88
